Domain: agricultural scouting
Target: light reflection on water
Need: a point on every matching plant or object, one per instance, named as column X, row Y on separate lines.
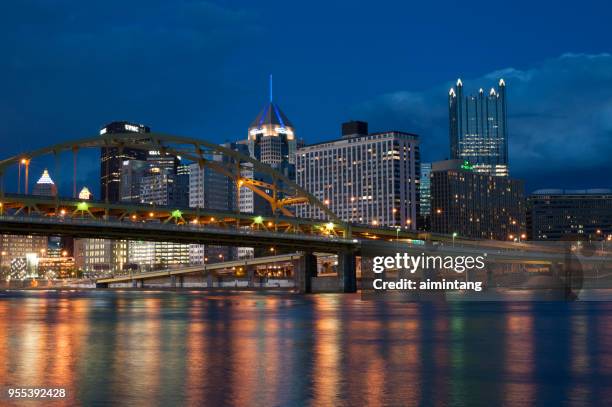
column 197, row 348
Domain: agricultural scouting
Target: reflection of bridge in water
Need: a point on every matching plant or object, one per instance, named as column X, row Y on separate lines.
column 278, row 228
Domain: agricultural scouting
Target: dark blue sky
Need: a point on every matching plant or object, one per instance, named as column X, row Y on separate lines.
column 200, row 69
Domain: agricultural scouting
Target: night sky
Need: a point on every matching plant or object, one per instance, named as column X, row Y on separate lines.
column 200, row 69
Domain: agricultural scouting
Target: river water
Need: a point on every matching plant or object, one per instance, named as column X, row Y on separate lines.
column 278, row 349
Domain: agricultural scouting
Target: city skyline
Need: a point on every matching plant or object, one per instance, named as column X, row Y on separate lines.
column 191, row 80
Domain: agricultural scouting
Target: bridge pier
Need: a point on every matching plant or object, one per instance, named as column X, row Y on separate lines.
column 138, row 283
column 347, row 271
column 306, row 270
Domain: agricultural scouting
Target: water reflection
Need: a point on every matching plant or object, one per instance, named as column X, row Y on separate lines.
column 194, row 348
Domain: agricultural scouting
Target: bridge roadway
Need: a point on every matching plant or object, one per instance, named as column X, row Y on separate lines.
column 200, row 268
column 169, row 232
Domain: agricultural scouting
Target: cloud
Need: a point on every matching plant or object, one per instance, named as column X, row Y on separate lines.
column 559, row 119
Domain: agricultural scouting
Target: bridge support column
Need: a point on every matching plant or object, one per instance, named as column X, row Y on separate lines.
column 306, row 270
column 173, row 281
column 251, row 276
column 181, row 281
column 101, row 285
column 347, row 271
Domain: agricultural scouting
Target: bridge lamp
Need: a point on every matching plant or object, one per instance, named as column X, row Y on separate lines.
column 212, row 218
column 63, row 212
column 133, row 217
column 258, row 219
column 523, row 236
column 438, row 211
column 177, row 213
column 272, row 249
column 270, row 224
column 151, row 214
column 81, row 206
column 511, row 237
column 329, row 226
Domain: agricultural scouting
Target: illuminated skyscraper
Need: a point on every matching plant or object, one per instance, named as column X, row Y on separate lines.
column 478, row 130
column 271, row 140
column 112, row 159
column 45, row 185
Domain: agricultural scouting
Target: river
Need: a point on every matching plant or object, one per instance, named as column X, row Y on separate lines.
column 267, row 349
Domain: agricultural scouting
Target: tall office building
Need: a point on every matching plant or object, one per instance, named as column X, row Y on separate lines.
column 554, row 214
column 112, row 159
column 363, row 178
column 45, row 185
column 478, row 128
column 271, row 140
column 424, row 218
column 475, row 205
column 209, row 189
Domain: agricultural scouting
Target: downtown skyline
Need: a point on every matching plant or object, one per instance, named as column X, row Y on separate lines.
column 188, row 77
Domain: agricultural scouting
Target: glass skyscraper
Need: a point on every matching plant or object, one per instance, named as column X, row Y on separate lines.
column 478, row 130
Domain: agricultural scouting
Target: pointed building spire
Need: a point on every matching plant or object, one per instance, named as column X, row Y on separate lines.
column 451, row 92
column 459, row 83
column 501, row 82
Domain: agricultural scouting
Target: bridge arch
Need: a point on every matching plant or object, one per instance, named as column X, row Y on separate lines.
column 281, row 194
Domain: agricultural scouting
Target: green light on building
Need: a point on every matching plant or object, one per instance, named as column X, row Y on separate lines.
column 467, row 166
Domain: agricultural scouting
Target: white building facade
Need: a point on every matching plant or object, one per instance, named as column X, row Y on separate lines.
column 368, row 179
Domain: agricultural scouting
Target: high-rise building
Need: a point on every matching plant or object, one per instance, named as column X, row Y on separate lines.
column 271, row 139
column 132, row 173
column 165, row 189
column 158, row 180
column 112, row 159
column 470, row 204
column 555, row 214
column 209, row 189
column 424, row 219
column 369, row 179
column 478, row 128
column 45, row 185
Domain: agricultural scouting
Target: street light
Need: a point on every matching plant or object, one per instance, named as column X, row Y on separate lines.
column 454, row 236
